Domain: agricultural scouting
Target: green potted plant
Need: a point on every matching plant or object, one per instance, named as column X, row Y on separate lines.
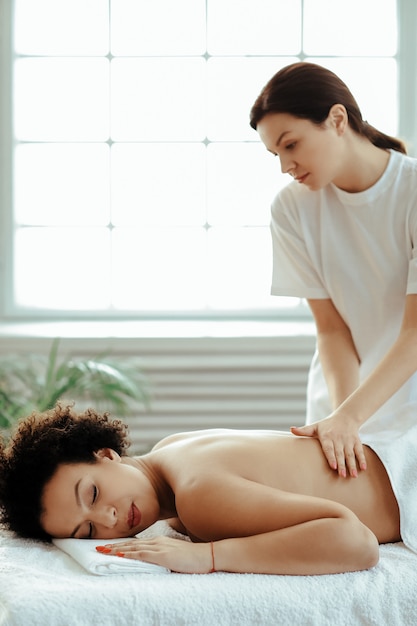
column 36, row 382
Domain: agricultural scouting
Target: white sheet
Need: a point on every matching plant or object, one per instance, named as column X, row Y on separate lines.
column 42, row 586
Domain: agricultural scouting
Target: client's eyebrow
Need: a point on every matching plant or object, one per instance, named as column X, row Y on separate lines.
column 77, row 497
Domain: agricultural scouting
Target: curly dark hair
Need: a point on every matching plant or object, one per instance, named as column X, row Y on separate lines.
column 41, row 443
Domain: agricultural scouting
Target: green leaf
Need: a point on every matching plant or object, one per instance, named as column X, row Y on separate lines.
column 29, row 382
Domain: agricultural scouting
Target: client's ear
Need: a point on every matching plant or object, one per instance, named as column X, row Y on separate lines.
column 107, row 453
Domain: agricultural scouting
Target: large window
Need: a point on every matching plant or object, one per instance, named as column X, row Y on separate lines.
column 137, row 187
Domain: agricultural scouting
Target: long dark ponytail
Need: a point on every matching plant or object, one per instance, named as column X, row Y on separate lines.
column 308, row 91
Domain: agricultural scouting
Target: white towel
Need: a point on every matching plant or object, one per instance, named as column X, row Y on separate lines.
column 396, row 446
column 85, row 553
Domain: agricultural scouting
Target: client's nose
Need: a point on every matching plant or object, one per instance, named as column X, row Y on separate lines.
column 106, row 516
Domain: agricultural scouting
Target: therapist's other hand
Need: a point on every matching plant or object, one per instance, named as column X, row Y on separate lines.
column 340, row 442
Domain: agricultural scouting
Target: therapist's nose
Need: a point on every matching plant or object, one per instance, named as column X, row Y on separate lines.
column 287, row 165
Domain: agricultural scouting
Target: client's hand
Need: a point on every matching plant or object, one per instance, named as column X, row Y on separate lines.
column 175, row 554
column 340, row 443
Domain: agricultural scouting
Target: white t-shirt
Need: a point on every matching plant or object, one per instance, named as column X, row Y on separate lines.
column 359, row 250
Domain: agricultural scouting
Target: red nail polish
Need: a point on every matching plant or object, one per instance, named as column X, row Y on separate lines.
column 120, row 553
column 103, row 549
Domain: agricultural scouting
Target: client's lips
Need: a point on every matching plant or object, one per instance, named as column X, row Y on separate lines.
column 134, row 516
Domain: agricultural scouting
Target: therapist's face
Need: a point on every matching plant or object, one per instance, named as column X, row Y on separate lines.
column 312, row 154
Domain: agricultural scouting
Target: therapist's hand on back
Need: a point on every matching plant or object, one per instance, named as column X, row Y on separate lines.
column 340, row 442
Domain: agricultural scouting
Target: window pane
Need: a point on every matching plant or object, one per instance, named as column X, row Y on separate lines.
column 58, row 184
column 158, row 184
column 62, row 269
column 138, row 182
column 358, row 28
column 158, row 27
column 61, row 99
column 233, row 85
column 240, row 268
column 242, row 180
column 377, row 98
column 58, row 27
column 159, row 269
column 253, row 27
column 158, row 99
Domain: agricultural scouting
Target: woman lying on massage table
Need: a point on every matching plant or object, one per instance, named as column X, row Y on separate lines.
column 251, row 501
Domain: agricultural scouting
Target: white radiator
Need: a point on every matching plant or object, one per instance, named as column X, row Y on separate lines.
column 223, row 383
column 205, row 382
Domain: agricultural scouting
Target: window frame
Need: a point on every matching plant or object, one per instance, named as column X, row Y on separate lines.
column 407, row 90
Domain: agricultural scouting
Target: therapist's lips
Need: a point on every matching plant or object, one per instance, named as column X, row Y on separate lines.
column 301, row 179
column 134, row 516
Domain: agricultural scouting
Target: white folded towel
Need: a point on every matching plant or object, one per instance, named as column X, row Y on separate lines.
column 396, row 445
column 85, row 553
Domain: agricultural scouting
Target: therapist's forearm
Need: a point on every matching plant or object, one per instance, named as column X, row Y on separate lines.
column 340, row 363
column 399, row 364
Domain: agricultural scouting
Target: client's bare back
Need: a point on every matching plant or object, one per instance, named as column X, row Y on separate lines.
column 287, row 463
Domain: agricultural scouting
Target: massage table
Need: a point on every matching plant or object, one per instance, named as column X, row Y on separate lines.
column 41, row 585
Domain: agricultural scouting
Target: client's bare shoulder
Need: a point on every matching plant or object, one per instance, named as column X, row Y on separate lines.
column 269, row 457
